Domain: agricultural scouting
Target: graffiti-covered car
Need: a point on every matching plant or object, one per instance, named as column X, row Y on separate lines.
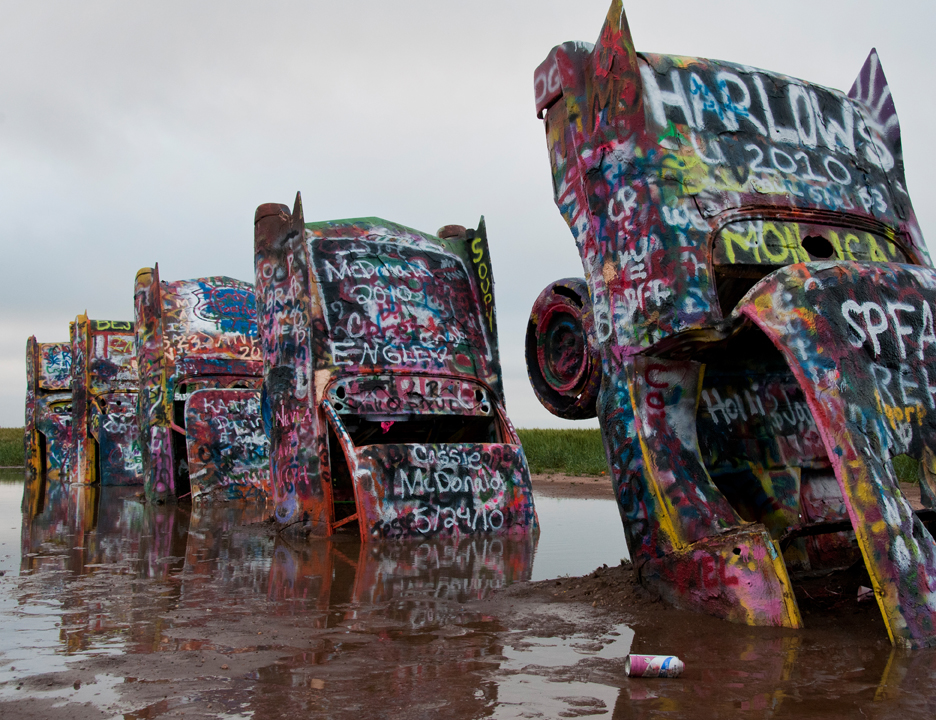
column 47, row 436
column 200, row 368
column 383, row 380
column 104, row 397
column 755, row 330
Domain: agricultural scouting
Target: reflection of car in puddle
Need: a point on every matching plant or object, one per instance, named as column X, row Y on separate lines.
column 337, row 625
column 200, row 374
column 48, row 429
column 219, row 556
column 758, row 315
column 385, row 396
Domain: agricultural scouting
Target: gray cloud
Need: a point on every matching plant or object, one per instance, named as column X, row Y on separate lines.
column 140, row 132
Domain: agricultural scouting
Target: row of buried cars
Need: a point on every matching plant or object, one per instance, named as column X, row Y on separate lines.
column 755, row 332
column 357, row 388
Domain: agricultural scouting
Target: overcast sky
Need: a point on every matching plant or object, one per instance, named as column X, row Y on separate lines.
column 143, row 132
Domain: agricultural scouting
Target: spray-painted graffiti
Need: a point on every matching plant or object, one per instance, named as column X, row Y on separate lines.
column 54, row 422
column 762, row 242
column 104, row 390
column 47, row 432
column 395, row 394
column 197, row 339
column 764, row 418
column 757, row 310
column 380, row 346
column 227, row 448
column 394, row 307
column 441, row 490
column 55, row 366
column 113, row 423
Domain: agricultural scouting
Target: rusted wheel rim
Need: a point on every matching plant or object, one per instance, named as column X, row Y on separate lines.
column 560, row 347
column 564, row 369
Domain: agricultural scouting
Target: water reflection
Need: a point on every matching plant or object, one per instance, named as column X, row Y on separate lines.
column 85, row 528
column 218, row 558
column 784, row 674
column 577, row 535
column 246, row 623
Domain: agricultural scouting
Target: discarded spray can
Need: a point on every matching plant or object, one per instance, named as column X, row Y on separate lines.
column 668, row 666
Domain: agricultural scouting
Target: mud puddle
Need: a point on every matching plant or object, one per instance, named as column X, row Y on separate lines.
column 110, row 608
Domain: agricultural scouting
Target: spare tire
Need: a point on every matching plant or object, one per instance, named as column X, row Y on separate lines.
column 561, row 355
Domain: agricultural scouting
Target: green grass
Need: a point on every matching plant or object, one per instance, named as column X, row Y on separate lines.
column 11, row 446
column 573, row 452
column 907, row 469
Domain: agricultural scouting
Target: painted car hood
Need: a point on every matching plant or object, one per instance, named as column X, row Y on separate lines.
column 228, row 452
column 861, row 341
column 443, row 489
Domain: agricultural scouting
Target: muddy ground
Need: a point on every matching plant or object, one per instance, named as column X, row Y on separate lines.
column 232, row 623
column 559, row 485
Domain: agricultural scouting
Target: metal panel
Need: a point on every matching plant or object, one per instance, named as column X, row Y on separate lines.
column 114, row 427
column 228, row 453
column 439, row 490
column 47, row 431
column 862, row 342
column 192, row 335
column 104, row 389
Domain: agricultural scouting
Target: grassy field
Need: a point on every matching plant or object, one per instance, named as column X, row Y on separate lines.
column 573, row 452
column 11, row 446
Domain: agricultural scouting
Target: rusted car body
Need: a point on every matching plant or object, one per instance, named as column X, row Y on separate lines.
column 105, row 434
column 383, row 380
column 755, row 330
column 47, row 436
column 199, row 400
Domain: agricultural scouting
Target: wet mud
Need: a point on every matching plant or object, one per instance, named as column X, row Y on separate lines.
column 559, row 485
column 114, row 608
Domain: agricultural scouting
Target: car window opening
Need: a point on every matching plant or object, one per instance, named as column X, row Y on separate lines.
column 748, row 250
column 762, row 449
column 183, row 484
column 419, row 429
column 43, row 474
column 342, row 485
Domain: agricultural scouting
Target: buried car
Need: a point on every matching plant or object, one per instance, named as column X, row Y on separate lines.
column 755, row 330
column 104, row 397
column 199, row 362
column 47, row 436
column 383, row 381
